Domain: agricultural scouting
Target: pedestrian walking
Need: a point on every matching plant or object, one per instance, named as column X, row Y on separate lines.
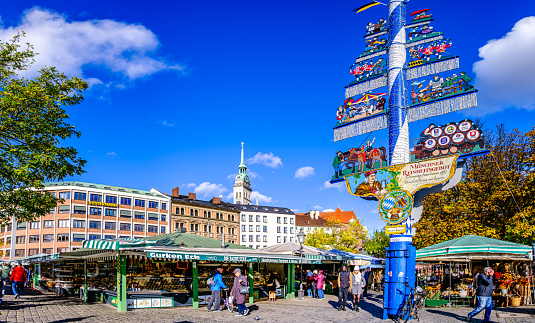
column 239, row 281
column 484, row 294
column 215, row 288
column 18, row 277
column 271, row 285
column 309, row 285
column 358, row 282
column 320, row 284
column 367, row 279
column 344, row 285
column 377, row 280
column 314, row 284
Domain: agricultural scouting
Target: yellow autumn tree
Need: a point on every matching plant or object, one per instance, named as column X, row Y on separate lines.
column 337, row 235
column 495, row 199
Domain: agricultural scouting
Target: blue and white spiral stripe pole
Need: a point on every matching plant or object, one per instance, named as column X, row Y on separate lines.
column 401, row 255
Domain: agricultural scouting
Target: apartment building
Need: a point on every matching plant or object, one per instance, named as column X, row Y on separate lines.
column 263, row 226
column 89, row 211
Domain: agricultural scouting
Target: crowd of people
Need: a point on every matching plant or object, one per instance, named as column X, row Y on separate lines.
column 17, row 275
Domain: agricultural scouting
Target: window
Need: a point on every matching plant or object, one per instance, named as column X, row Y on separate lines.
column 111, row 199
column 164, row 218
column 75, row 223
column 8, row 240
column 264, row 218
column 62, row 249
column 243, row 226
column 152, row 228
column 291, row 239
column 278, row 239
column 109, row 237
column 126, row 201
column 196, row 213
column 243, row 217
column 95, row 211
column 64, row 209
column 124, row 226
column 33, row 252
column 79, row 196
column 140, row 203
column 22, row 226
column 110, row 212
column 153, row 216
column 243, row 238
column 257, row 228
column 291, row 230
column 19, row 252
column 182, row 211
column 251, row 238
column 285, row 230
column 65, row 195
column 162, row 229
column 139, row 227
column 250, row 228
column 257, row 238
column 278, row 229
column 232, row 217
column 139, row 215
column 63, row 237
column 78, row 237
column 291, row 220
column 278, row 219
column 258, row 218
column 8, row 227
column 209, row 214
column 35, row 225
column 264, row 228
column 164, row 206
column 53, row 210
column 285, row 239
column 48, row 251
column 250, row 218
column 34, row 239
column 79, row 209
column 94, row 236
column 95, row 198
column 20, row 240
column 126, row 214
column 153, row 205
column 264, row 238
column 110, row 225
column 48, row 238
column 285, row 220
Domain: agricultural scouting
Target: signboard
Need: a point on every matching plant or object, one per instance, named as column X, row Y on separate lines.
column 362, row 159
column 279, row 260
column 395, row 229
column 408, row 177
column 441, row 140
column 196, row 257
column 355, row 109
column 102, row 204
column 145, row 302
column 395, row 206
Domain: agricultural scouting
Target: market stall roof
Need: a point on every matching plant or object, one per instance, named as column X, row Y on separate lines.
column 292, row 248
column 188, row 240
column 472, row 247
column 116, row 244
column 372, row 259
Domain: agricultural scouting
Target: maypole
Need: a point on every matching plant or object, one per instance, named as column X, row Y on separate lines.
column 435, row 164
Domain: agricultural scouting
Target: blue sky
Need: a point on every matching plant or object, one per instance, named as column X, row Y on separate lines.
column 176, row 86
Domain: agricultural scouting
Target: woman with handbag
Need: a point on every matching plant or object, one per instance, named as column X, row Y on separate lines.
column 320, row 281
column 358, row 283
column 239, row 289
column 271, row 287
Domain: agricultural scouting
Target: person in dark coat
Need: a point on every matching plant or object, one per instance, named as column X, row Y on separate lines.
column 271, row 286
column 484, row 294
column 239, row 280
column 344, row 285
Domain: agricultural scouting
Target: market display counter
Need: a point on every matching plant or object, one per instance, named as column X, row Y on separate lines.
column 150, row 299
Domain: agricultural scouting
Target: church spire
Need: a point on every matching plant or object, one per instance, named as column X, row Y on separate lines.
column 242, row 162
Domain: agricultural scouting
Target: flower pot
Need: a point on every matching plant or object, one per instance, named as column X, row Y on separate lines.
column 463, row 293
column 504, row 291
column 515, row 301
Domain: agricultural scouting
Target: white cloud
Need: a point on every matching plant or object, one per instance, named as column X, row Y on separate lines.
column 190, row 185
column 374, row 211
column 73, row 46
column 254, row 175
column 328, row 210
column 339, row 186
column 261, row 198
column 506, row 73
column 304, row 172
column 165, row 123
column 111, row 154
column 231, row 176
column 209, row 189
column 230, row 197
column 317, row 207
column 267, row 159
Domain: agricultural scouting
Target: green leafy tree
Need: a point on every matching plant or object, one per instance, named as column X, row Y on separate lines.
column 33, row 128
column 337, row 235
column 376, row 243
column 495, row 199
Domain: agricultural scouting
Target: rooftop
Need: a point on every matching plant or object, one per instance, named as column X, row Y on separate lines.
column 339, row 215
column 102, row 187
column 305, row 220
column 183, row 199
column 263, row 209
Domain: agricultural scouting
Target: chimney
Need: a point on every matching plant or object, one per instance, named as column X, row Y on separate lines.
column 174, row 193
column 191, row 196
column 216, row 200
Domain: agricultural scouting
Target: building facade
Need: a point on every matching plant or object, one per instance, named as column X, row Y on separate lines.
column 89, row 211
column 310, row 221
column 210, row 219
column 242, row 185
column 263, row 226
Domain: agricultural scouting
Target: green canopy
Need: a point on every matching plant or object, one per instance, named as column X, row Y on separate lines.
column 473, row 247
column 116, row 244
column 188, row 240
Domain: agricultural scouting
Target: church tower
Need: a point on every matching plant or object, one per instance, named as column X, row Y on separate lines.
column 242, row 184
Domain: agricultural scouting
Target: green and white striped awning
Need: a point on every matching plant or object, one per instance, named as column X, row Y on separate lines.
column 116, row 244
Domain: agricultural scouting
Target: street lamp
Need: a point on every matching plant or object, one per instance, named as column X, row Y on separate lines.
column 301, row 236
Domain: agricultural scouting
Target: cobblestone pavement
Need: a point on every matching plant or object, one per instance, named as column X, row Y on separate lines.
column 37, row 307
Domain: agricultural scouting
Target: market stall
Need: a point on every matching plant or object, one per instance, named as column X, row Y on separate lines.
column 448, row 270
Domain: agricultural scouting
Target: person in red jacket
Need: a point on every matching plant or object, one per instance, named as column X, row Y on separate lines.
column 18, row 277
